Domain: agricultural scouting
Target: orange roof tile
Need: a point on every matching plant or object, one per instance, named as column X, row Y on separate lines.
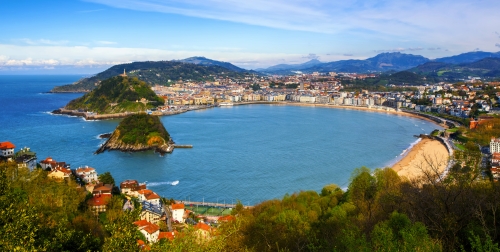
column 203, row 226
column 99, row 200
column 141, row 223
column 85, row 169
column 151, row 228
column 129, row 183
column 177, row 206
column 226, row 218
column 167, row 235
column 6, row 145
column 147, row 226
column 152, row 195
column 142, row 245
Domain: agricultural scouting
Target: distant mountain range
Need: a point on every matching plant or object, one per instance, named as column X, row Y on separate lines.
column 434, row 72
column 479, row 64
column 485, row 68
column 468, row 57
column 380, row 63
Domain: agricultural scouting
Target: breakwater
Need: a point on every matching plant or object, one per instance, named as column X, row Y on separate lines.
column 94, row 116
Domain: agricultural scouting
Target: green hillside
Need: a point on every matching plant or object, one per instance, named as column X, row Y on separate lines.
column 142, row 129
column 154, row 72
column 116, row 95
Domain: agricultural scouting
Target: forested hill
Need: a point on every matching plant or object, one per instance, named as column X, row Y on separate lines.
column 208, row 62
column 154, row 72
column 115, row 95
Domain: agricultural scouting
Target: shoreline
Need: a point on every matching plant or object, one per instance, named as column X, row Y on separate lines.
column 405, row 165
column 378, row 109
column 428, row 155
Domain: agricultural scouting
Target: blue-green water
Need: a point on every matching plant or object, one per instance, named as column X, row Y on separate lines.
column 252, row 153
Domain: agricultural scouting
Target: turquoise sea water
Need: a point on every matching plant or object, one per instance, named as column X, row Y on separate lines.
column 251, row 153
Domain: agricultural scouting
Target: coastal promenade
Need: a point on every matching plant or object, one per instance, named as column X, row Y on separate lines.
column 210, row 204
column 184, row 109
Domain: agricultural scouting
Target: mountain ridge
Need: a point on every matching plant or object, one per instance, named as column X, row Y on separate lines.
column 153, row 72
column 381, row 62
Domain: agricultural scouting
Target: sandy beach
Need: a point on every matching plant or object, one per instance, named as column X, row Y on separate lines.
column 426, row 155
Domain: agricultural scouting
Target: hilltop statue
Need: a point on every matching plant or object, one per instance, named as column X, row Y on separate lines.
column 124, row 74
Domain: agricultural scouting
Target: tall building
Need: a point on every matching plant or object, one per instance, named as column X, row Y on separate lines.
column 495, row 145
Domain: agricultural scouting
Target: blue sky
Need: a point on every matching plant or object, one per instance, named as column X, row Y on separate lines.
column 87, row 36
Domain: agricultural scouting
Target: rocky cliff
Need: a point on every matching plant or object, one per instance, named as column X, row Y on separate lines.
column 114, row 143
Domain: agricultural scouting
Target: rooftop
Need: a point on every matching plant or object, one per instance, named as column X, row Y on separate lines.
column 6, row 145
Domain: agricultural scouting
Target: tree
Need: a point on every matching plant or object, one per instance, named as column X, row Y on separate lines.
column 124, row 234
column 106, row 178
column 399, row 234
column 255, row 87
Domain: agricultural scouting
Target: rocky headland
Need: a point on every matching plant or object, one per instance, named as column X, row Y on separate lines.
column 139, row 132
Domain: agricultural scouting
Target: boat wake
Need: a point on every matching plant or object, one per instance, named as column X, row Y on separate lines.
column 172, row 183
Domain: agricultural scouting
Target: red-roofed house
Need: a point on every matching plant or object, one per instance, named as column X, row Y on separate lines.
column 495, row 157
column 177, row 212
column 87, row 174
column 167, row 235
column 60, row 173
column 129, row 186
column 51, row 164
column 149, row 196
column 98, row 203
column 149, row 230
column 7, row 149
column 143, row 246
column 226, row 218
column 203, row 231
column 102, row 189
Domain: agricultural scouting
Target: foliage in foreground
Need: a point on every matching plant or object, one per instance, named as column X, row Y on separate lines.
column 379, row 211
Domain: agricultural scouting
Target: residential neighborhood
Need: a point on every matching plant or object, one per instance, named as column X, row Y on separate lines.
column 463, row 99
column 159, row 218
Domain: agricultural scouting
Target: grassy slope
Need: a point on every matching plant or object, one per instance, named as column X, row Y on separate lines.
column 115, row 95
column 142, row 129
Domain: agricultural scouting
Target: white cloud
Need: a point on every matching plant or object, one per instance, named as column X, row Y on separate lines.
column 84, row 56
column 399, row 49
column 41, row 41
column 433, row 22
column 104, row 42
column 311, row 56
column 415, row 49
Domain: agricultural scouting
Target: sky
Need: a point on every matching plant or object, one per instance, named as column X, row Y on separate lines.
column 88, row 36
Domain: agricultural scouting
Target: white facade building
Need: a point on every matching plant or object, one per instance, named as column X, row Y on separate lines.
column 495, row 145
column 178, row 212
column 7, row 149
column 87, row 174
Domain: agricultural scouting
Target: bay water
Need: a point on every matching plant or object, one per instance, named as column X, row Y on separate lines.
column 249, row 153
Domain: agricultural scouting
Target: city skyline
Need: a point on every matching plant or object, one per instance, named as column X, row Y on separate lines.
column 92, row 35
